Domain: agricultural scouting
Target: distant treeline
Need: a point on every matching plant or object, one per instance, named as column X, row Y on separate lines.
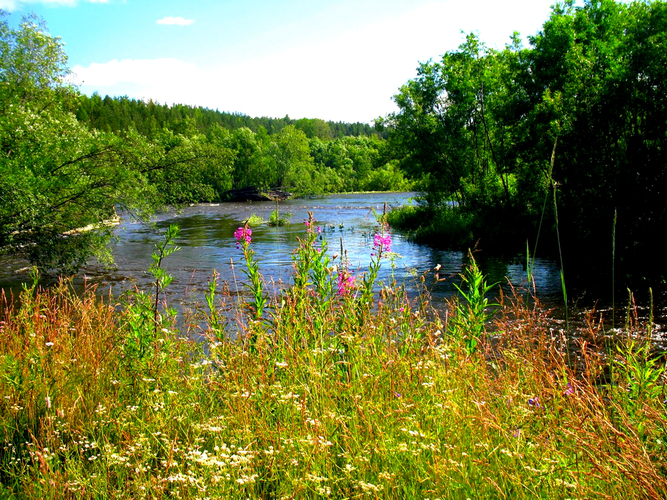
column 212, row 152
column 115, row 114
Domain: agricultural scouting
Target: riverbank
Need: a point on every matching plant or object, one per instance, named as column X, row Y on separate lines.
column 333, row 391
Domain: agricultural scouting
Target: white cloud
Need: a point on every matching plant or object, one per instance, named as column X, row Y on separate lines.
column 8, row 5
column 140, row 73
column 178, row 21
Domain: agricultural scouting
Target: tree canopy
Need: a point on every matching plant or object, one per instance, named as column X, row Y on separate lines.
column 58, row 179
column 573, row 126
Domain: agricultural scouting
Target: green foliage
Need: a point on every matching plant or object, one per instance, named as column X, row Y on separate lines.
column 454, row 227
column 640, row 373
column 351, row 164
column 275, row 219
column 311, row 263
column 255, row 220
column 290, row 162
column 117, row 114
column 59, row 182
column 190, row 169
column 144, row 344
column 472, row 314
column 256, row 286
column 314, row 127
column 479, row 127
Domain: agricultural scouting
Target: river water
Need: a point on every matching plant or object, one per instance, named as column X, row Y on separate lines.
column 347, row 221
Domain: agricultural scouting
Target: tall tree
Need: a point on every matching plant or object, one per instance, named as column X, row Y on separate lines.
column 577, row 120
column 58, row 180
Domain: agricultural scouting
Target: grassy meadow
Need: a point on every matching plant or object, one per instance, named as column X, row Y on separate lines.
column 337, row 387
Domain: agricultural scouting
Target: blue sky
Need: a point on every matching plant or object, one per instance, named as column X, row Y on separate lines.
column 339, row 60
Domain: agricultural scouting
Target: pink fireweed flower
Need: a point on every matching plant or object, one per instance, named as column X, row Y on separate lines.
column 345, row 283
column 243, row 236
column 310, row 226
column 382, row 243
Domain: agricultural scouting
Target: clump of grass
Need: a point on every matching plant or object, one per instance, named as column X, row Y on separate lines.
column 335, row 396
column 275, row 219
column 425, row 225
column 255, row 220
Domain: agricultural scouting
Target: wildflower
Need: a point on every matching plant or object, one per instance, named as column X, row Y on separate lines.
column 382, row 242
column 243, row 236
column 535, row 402
column 568, row 390
column 345, row 283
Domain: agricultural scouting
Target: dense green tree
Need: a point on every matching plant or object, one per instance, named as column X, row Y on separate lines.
column 314, row 127
column 600, row 71
column 58, row 180
column 453, row 132
column 573, row 124
column 250, row 163
column 290, row 162
column 190, row 169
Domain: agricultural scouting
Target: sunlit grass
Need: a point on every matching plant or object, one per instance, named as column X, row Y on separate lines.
column 255, row 220
column 325, row 395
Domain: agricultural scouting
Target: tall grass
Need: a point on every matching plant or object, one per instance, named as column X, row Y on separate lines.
column 334, row 397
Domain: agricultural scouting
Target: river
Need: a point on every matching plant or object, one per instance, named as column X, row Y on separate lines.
column 348, row 221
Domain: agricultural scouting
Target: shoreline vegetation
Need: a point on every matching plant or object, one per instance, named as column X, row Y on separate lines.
column 560, row 142
column 328, row 390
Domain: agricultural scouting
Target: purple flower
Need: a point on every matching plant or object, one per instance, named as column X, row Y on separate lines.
column 568, row 390
column 243, row 236
column 382, row 242
column 345, row 283
column 535, row 402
